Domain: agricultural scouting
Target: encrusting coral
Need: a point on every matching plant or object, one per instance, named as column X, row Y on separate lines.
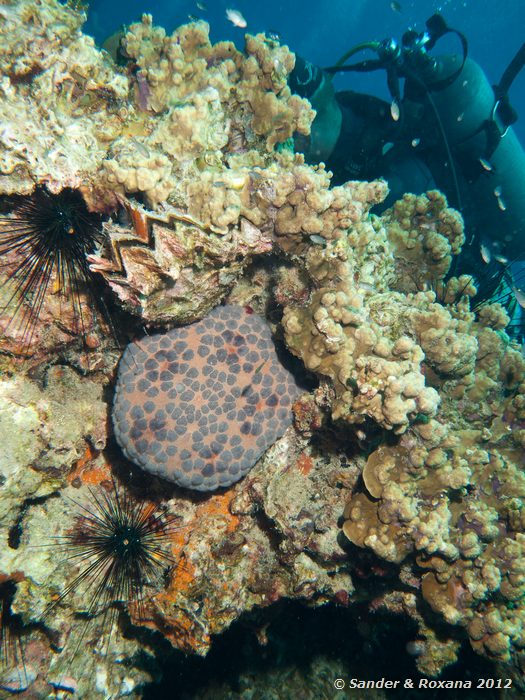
column 61, row 99
column 414, row 427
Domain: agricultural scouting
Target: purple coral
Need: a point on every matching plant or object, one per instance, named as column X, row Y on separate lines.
column 200, row 404
column 143, row 92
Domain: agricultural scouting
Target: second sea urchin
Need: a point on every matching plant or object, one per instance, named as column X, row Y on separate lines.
column 121, row 546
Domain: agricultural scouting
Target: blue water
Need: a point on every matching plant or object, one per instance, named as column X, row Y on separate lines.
column 323, row 31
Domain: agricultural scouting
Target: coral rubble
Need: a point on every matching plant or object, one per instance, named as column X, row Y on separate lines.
column 412, row 437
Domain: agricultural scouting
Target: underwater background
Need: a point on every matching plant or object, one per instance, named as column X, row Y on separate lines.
column 381, row 533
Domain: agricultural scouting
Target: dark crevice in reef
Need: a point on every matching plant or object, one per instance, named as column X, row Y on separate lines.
column 15, row 532
column 267, row 526
column 352, row 643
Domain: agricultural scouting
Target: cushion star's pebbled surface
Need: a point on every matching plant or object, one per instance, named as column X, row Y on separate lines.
column 199, row 405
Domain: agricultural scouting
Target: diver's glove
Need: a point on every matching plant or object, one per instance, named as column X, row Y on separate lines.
column 306, row 78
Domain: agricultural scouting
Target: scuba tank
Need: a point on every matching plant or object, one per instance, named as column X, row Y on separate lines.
column 313, row 83
column 489, row 159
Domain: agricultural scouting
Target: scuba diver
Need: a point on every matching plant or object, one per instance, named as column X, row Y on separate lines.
column 449, row 130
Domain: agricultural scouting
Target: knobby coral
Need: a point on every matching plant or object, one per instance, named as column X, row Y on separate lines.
column 402, row 350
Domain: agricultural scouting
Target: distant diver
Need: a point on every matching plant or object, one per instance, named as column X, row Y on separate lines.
column 449, row 129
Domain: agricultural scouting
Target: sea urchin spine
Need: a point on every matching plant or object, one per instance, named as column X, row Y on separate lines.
column 13, row 671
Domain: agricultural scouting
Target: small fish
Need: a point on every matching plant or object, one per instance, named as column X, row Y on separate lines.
column 485, row 253
column 394, row 110
column 520, row 296
column 367, row 287
column 486, row 165
column 395, row 6
column 460, row 117
column 501, row 203
column 415, row 142
column 236, row 18
column 141, row 148
column 192, row 18
column 201, row 6
column 318, row 240
column 273, row 35
column 501, row 259
column 143, row 92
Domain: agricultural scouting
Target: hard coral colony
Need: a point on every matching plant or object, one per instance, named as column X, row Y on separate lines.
column 414, row 432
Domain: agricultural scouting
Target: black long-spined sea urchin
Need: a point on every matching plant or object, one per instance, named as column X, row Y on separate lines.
column 122, row 546
column 13, row 671
column 44, row 245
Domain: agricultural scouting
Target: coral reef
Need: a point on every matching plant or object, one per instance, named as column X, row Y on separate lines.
column 413, row 432
column 450, row 384
column 43, row 431
column 187, row 126
column 61, row 99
